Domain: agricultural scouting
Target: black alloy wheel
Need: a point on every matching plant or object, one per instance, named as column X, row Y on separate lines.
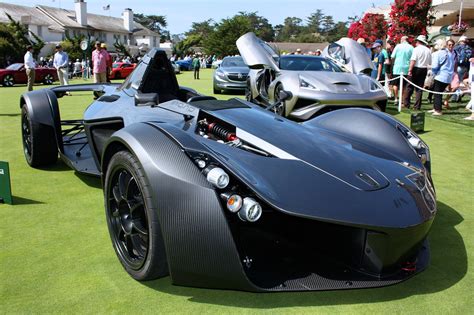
column 133, row 224
column 280, row 108
column 26, row 134
column 48, row 79
column 8, row 80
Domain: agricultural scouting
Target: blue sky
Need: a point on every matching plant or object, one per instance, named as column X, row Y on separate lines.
column 181, row 13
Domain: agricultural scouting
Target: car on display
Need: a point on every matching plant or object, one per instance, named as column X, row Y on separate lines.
column 121, row 70
column 226, row 194
column 317, row 84
column 176, row 68
column 185, row 65
column 350, row 55
column 231, row 75
column 16, row 74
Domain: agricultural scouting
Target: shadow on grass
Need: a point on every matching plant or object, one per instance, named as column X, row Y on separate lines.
column 448, row 266
column 10, row 115
column 90, row 180
column 59, row 166
column 24, row 201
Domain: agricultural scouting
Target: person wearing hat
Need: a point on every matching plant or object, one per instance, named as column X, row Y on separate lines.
column 361, row 42
column 463, row 53
column 109, row 61
column 30, row 65
column 60, row 63
column 378, row 60
column 443, row 70
column 99, row 63
column 419, row 62
column 318, row 52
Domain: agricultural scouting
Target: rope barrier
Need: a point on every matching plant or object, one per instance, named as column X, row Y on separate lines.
column 425, row 90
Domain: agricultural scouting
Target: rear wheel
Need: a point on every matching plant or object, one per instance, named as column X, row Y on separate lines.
column 133, row 223
column 48, row 79
column 39, row 141
column 8, row 80
column 117, row 75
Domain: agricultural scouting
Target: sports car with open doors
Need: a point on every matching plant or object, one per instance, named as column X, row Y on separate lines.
column 318, row 84
column 226, row 194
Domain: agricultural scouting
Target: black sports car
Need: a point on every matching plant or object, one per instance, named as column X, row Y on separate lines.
column 226, row 194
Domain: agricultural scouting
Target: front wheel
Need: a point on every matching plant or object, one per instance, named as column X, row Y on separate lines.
column 39, row 141
column 48, row 79
column 117, row 75
column 280, row 108
column 8, row 80
column 132, row 220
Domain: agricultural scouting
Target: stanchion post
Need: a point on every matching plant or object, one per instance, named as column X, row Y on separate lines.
column 400, row 93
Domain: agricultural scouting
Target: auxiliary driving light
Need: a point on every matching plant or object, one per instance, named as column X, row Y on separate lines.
column 234, row 203
column 218, row 177
column 251, row 210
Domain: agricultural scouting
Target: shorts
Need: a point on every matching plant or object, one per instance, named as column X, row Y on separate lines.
column 396, row 80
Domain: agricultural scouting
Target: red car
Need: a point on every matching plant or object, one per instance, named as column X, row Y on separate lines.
column 16, row 73
column 121, row 70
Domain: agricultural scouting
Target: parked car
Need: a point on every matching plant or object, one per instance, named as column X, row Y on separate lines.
column 16, row 74
column 176, row 68
column 185, row 65
column 231, row 75
column 121, row 70
column 225, row 194
column 350, row 55
column 317, row 84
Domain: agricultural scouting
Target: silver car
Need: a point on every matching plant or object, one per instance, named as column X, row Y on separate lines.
column 231, row 75
column 317, row 84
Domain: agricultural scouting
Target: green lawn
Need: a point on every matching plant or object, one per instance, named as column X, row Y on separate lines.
column 56, row 255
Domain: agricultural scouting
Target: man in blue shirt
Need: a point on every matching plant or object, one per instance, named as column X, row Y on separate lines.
column 61, row 62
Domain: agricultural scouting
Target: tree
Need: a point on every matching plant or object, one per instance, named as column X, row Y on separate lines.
column 291, row 28
column 199, row 30
column 222, row 41
column 153, row 22
column 327, row 24
column 338, row 31
column 371, row 27
column 184, row 47
column 14, row 37
column 409, row 17
column 315, row 21
column 72, row 45
column 260, row 25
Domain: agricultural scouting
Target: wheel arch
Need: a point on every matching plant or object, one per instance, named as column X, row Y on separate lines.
column 43, row 108
column 198, row 242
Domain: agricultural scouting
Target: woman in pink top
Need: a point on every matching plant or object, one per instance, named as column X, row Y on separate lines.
column 99, row 63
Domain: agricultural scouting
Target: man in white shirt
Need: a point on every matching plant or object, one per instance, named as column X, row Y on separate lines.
column 419, row 62
column 30, row 66
column 60, row 62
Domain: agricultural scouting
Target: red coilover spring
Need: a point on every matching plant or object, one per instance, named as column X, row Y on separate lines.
column 221, row 132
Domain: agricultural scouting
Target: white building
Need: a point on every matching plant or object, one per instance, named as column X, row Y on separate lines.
column 54, row 24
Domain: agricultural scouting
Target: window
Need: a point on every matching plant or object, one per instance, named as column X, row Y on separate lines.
column 144, row 36
column 124, row 38
column 40, row 31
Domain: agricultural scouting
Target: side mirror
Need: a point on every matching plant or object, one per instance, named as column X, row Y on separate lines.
column 146, row 99
column 285, row 95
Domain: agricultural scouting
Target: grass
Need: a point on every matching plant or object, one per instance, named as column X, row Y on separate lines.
column 56, row 255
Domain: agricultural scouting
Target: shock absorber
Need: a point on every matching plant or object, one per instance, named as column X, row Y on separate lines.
column 219, row 131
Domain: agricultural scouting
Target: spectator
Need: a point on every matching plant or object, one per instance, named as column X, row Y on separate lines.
column 61, row 63
column 318, row 52
column 455, row 81
column 400, row 59
column 298, row 51
column 471, row 83
column 30, row 66
column 196, row 65
column 463, row 53
column 361, row 41
column 419, row 62
column 99, row 64
column 443, row 70
column 378, row 60
column 109, row 62
column 388, row 64
column 77, row 68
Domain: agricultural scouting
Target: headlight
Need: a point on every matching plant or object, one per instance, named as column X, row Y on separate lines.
column 217, row 177
column 374, row 85
column 220, row 74
column 306, row 84
column 251, row 210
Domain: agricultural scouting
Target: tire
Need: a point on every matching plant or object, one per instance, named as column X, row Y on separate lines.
column 217, row 91
column 118, row 75
column 131, row 219
column 48, row 79
column 8, row 80
column 280, row 110
column 248, row 91
column 39, row 141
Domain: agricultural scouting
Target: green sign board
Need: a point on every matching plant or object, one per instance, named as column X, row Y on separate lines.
column 417, row 122
column 5, row 187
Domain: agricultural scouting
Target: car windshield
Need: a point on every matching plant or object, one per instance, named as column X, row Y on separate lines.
column 233, row 62
column 15, row 66
column 115, row 65
column 308, row 64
